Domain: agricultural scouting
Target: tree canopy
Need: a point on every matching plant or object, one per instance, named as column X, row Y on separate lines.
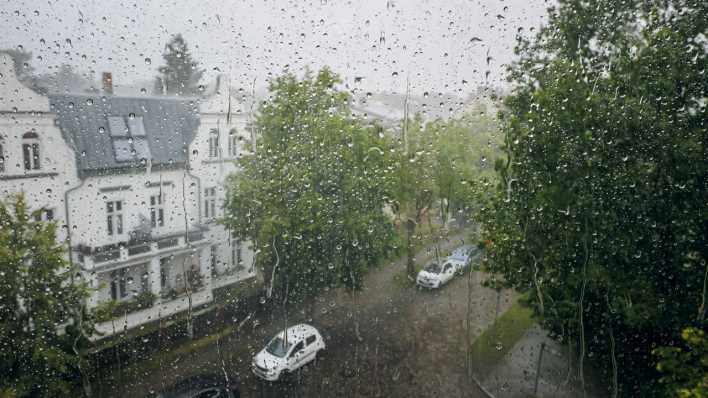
column 600, row 212
column 313, row 194
column 181, row 74
column 39, row 299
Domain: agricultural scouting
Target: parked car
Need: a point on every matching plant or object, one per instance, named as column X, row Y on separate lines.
column 462, row 257
column 288, row 351
column 434, row 275
column 204, row 386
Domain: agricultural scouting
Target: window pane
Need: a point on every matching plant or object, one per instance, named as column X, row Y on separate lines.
column 117, row 126
column 136, row 127
column 35, row 156
column 27, row 156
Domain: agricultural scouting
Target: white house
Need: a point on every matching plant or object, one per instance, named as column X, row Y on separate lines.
column 138, row 182
column 34, row 159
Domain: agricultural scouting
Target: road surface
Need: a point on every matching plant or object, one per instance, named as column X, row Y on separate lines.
column 408, row 343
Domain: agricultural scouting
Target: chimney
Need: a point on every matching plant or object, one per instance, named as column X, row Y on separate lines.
column 107, row 82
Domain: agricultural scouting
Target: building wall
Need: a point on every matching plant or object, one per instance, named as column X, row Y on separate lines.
column 88, row 205
column 213, row 171
column 23, row 111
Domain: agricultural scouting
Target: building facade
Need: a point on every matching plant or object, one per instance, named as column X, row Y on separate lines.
column 138, row 183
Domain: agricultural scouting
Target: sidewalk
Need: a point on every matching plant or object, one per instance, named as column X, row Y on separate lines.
column 515, row 375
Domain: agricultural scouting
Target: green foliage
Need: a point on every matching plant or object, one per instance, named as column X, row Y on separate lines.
column 312, row 196
column 181, row 74
column 444, row 163
column 113, row 309
column 496, row 341
column 601, row 207
column 38, row 297
column 463, row 153
column 685, row 368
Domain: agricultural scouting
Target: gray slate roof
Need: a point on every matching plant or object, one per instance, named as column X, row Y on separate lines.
column 170, row 124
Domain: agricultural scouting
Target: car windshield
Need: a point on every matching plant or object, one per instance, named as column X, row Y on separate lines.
column 278, row 347
column 433, row 268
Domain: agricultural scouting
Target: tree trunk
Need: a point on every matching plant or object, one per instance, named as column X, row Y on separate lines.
column 310, row 307
column 410, row 230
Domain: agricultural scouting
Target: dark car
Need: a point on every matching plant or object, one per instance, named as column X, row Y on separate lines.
column 204, row 386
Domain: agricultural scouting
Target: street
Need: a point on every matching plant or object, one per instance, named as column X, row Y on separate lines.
column 409, row 342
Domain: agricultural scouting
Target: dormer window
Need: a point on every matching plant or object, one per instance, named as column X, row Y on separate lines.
column 30, row 150
column 129, row 139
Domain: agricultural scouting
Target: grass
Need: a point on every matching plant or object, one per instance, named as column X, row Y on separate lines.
column 491, row 346
column 181, row 350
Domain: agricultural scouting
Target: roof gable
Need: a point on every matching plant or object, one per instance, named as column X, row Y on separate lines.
column 15, row 96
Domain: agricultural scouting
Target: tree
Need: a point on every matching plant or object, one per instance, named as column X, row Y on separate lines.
column 600, row 212
column 63, row 80
column 39, row 297
column 413, row 184
column 445, row 164
column 464, row 151
column 312, row 195
column 685, row 368
column 181, row 74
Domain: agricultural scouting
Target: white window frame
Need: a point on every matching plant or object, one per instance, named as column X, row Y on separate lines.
column 119, row 284
column 157, row 210
column 165, row 264
column 114, row 217
column 46, row 215
column 31, row 152
column 210, row 203
column 214, row 144
column 233, row 143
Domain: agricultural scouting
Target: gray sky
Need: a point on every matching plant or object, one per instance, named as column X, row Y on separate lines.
column 381, row 41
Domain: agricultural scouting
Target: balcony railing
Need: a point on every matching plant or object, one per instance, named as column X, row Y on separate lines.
column 101, row 256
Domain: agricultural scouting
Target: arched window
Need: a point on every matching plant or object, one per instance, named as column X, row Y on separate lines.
column 31, row 151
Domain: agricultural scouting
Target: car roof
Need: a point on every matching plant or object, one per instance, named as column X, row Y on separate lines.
column 298, row 332
column 462, row 251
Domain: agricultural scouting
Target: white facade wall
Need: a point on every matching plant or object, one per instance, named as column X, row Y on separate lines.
column 88, row 205
column 24, row 113
column 161, row 264
column 213, row 168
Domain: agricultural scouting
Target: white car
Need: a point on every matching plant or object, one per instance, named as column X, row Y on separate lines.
column 462, row 257
column 434, row 275
column 288, row 351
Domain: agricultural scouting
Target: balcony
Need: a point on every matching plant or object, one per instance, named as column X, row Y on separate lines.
column 103, row 257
